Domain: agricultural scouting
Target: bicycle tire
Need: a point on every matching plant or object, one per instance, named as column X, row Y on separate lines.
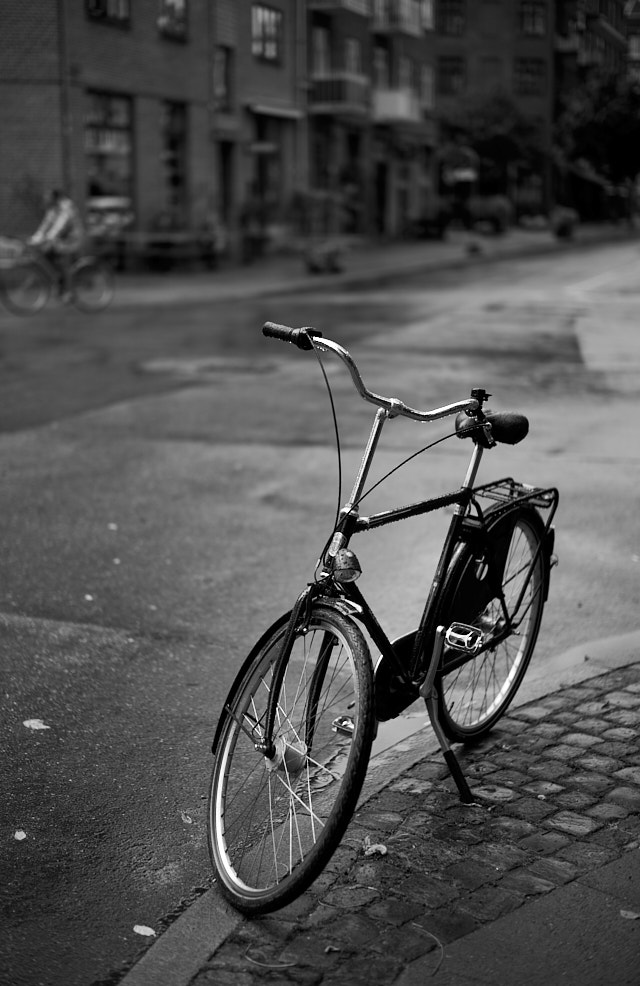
column 25, row 287
column 474, row 691
column 274, row 825
column 91, row 285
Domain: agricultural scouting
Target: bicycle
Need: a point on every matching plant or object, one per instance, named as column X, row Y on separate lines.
column 28, row 280
column 292, row 743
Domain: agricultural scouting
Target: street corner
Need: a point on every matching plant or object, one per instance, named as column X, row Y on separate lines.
column 557, row 798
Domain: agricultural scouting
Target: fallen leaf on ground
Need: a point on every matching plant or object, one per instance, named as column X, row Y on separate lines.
column 20, row 835
column 35, row 724
column 142, row 929
column 630, row 915
column 373, row 848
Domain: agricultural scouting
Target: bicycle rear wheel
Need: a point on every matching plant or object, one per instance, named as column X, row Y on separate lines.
column 274, row 824
column 91, row 284
column 25, row 287
column 474, row 691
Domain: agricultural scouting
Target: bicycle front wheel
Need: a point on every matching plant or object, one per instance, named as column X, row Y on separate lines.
column 25, row 288
column 91, row 284
column 274, row 824
column 474, row 691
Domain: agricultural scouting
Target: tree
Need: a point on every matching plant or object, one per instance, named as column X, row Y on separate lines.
column 599, row 122
column 500, row 134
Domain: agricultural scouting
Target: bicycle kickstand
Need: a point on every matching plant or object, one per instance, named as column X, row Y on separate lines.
column 430, row 696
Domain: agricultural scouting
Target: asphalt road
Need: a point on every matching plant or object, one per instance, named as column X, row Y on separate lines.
column 168, row 480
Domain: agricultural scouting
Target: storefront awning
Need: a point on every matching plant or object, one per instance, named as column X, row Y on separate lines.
column 285, row 112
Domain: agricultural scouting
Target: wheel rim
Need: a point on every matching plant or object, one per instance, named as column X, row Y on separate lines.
column 268, row 817
column 92, row 287
column 25, row 287
column 477, row 692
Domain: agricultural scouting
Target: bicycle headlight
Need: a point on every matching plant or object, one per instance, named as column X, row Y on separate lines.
column 346, row 567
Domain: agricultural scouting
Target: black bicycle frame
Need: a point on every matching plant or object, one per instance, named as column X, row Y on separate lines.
column 411, row 669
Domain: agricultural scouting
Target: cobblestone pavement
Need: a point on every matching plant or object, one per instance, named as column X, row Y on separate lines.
column 558, row 796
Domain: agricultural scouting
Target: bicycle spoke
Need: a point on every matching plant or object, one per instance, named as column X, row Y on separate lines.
column 476, row 689
column 269, row 823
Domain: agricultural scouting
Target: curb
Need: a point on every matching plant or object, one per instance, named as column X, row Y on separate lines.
column 199, row 932
column 381, row 273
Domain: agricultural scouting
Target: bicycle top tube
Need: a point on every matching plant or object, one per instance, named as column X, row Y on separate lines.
column 308, row 338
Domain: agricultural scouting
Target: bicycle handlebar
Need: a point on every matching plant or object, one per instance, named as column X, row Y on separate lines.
column 309, row 338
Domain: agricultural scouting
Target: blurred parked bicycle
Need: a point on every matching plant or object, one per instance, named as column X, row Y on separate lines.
column 28, row 279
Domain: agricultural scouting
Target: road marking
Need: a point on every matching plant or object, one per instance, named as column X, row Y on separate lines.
column 597, row 280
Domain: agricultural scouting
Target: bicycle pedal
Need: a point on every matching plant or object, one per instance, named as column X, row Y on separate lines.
column 461, row 636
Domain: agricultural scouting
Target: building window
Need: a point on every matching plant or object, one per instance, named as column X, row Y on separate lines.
column 223, row 63
column 174, row 160
column 452, row 17
column 411, row 14
column 530, row 76
column 109, row 11
column 353, row 56
column 108, row 151
column 381, row 68
column 405, row 72
column 428, row 20
column 634, row 47
column 533, row 18
column 172, row 19
column 426, row 86
column 320, row 52
column 266, row 33
column 451, row 75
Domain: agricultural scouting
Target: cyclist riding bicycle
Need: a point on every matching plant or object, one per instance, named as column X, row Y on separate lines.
column 60, row 235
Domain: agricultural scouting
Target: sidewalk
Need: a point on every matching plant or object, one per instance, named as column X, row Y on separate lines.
column 537, row 883
column 364, row 262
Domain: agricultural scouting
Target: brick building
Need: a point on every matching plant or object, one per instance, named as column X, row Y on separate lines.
column 591, row 36
column 109, row 100
column 259, row 110
column 161, row 112
column 253, row 110
column 498, row 46
column 371, row 123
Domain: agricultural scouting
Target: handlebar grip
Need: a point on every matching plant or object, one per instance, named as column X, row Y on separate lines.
column 297, row 337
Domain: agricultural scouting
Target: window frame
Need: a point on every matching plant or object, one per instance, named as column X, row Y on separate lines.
column 268, row 34
column 451, row 18
column 522, row 80
column 531, row 14
column 451, row 61
column 173, row 29
column 98, row 12
column 100, row 128
column 223, row 78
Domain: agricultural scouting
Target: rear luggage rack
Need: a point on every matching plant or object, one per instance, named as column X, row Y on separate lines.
column 508, row 491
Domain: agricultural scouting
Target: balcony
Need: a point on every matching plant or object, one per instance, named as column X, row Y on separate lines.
column 402, row 16
column 567, row 44
column 357, row 6
column 396, row 106
column 340, row 94
column 604, row 26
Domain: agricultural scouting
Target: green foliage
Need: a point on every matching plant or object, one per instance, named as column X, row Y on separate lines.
column 494, row 127
column 599, row 122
